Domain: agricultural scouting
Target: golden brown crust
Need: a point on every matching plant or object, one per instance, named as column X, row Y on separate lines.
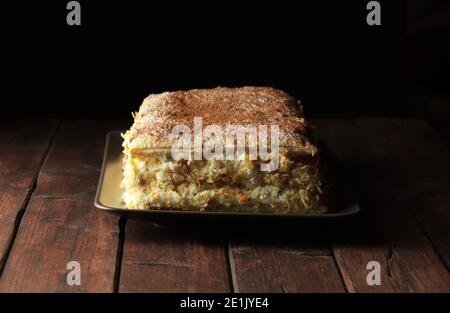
column 221, row 106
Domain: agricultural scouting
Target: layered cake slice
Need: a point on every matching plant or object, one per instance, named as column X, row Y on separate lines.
column 243, row 149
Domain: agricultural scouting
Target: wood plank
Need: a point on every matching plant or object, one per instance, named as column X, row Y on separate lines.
column 168, row 259
column 386, row 232
column 61, row 224
column 23, row 145
column 422, row 177
column 277, row 263
column 284, row 258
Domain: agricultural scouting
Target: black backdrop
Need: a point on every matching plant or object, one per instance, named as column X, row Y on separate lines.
column 322, row 52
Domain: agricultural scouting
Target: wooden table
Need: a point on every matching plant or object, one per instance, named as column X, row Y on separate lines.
column 398, row 169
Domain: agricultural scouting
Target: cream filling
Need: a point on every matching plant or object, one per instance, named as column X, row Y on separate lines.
column 159, row 182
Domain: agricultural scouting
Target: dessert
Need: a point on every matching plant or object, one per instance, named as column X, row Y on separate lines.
column 229, row 179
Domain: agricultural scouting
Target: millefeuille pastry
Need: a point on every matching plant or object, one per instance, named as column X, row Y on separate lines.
column 156, row 178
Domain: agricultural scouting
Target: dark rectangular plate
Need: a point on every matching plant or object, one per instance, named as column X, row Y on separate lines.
column 109, row 197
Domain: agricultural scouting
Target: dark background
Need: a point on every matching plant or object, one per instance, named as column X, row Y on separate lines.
column 425, row 83
column 322, row 52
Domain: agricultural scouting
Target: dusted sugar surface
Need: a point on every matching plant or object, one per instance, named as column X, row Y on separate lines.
column 220, row 106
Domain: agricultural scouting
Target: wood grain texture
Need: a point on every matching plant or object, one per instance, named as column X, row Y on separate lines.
column 399, row 170
column 23, row 145
column 283, row 265
column 61, row 224
column 422, row 174
column 387, row 231
column 167, row 259
column 284, row 258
